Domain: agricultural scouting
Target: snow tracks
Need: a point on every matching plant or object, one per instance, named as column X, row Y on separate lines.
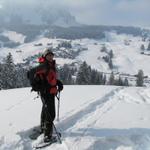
column 93, row 128
column 77, row 126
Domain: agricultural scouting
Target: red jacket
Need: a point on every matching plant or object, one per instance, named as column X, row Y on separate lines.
column 47, row 71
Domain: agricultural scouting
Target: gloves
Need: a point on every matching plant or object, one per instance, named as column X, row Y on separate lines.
column 60, row 85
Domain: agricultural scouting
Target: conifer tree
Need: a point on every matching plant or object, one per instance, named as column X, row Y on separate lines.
column 120, row 82
column 9, row 73
column 111, row 54
column 111, row 79
column 100, row 81
column 126, row 83
column 104, row 79
column 148, row 48
column 110, row 64
column 142, row 47
column 93, row 77
column 21, row 77
column 83, row 75
column 103, row 49
column 140, row 78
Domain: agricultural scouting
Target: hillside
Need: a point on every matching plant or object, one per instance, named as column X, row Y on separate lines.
column 105, row 118
column 126, row 49
column 122, row 50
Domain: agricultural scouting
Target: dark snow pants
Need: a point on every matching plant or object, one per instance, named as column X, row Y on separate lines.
column 48, row 113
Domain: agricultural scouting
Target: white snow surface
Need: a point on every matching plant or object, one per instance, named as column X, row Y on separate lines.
column 91, row 118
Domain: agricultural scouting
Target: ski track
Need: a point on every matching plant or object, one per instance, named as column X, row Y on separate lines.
column 143, row 97
column 82, row 118
column 78, row 127
column 70, row 121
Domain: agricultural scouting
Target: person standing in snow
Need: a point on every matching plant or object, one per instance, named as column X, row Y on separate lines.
column 52, row 86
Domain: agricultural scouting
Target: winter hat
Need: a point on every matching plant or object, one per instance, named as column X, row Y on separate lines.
column 48, row 51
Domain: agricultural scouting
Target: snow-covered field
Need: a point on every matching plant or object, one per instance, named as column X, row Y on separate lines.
column 91, row 118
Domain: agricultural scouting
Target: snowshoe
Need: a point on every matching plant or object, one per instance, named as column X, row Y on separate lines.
column 36, row 132
column 46, row 142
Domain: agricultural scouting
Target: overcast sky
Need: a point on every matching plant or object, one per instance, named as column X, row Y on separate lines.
column 98, row 12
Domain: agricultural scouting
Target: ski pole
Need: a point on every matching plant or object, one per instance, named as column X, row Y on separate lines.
column 58, row 106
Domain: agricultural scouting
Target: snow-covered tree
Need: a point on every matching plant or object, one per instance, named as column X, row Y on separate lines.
column 83, row 75
column 111, row 54
column 111, row 79
column 148, row 48
column 119, row 81
column 9, row 73
column 93, row 77
column 110, row 64
column 142, row 47
column 103, row 49
column 104, row 79
column 126, row 83
column 98, row 79
column 21, row 75
column 140, row 78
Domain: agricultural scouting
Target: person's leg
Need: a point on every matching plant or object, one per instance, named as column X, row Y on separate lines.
column 42, row 123
column 43, row 113
column 50, row 115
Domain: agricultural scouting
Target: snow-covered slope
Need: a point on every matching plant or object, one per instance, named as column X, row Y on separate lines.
column 99, row 118
column 128, row 57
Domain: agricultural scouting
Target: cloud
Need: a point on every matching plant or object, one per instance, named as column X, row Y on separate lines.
column 134, row 11
column 114, row 12
column 134, row 6
column 111, row 12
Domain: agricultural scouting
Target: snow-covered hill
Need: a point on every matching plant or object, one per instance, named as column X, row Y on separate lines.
column 128, row 57
column 99, row 118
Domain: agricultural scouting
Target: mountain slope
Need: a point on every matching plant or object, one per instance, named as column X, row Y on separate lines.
column 108, row 117
column 128, row 56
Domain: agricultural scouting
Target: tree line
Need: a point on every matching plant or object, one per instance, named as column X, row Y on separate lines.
column 15, row 76
column 85, row 75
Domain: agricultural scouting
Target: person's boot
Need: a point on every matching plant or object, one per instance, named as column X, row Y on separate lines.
column 47, row 132
column 42, row 128
column 47, row 139
column 50, row 139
